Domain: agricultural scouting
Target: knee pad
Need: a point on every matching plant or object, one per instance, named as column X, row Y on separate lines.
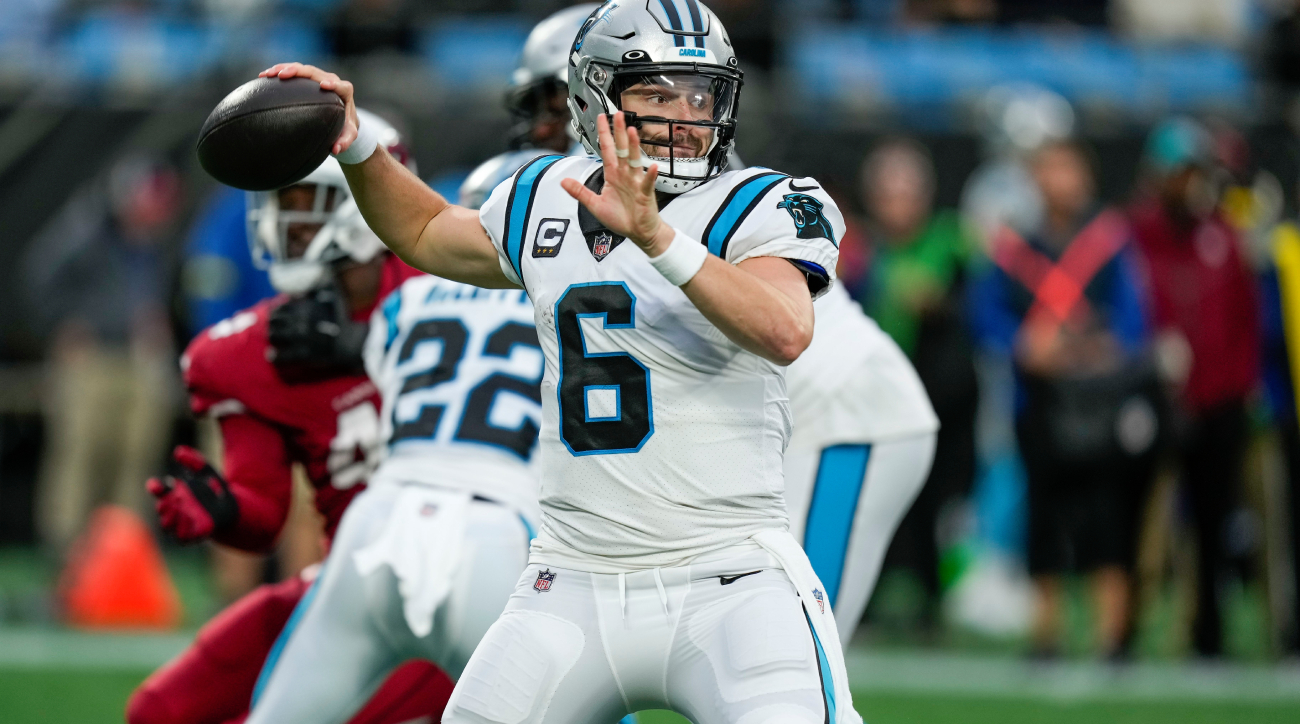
column 757, row 643
column 515, row 670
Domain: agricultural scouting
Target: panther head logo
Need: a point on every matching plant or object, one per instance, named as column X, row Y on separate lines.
column 807, row 214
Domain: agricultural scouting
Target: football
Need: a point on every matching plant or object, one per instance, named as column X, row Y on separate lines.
column 269, row 133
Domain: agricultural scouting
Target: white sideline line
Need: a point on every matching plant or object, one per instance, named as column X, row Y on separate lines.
column 903, row 672
column 52, row 648
column 970, row 675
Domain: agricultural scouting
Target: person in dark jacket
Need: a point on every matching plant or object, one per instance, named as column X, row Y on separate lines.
column 1065, row 304
column 1204, row 303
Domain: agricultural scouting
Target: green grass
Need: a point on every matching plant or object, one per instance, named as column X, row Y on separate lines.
column 56, row 696
column 92, row 696
column 930, row 709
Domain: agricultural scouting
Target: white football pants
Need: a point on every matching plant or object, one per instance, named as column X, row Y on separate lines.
column 353, row 630
column 719, row 642
column 845, row 503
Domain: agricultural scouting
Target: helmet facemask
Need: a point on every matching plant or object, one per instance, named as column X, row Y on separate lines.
column 540, row 115
column 685, row 115
column 300, row 232
column 685, row 149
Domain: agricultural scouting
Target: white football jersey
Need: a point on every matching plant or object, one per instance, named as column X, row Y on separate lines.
column 853, row 384
column 458, row 368
column 661, row 439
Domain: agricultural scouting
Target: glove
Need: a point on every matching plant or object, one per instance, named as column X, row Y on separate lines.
column 193, row 501
column 313, row 338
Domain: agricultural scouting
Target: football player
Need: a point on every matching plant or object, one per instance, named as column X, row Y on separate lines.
column 427, row 556
column 284, row 380
column 864, row 437
column 538, row 95
column 668, row 293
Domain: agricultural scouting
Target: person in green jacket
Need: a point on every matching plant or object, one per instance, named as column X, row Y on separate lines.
column 908, row 275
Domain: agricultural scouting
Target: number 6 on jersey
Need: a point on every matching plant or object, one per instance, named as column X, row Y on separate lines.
column 604, row 396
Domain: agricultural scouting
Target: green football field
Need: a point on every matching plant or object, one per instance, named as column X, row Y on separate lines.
column 97, row 696
column 49, row 674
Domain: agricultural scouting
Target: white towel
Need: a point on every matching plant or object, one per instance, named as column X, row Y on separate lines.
column 795, row 562
column 421, row 542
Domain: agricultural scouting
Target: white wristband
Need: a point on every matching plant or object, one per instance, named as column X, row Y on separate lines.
column 682, row 260
column 366, row 142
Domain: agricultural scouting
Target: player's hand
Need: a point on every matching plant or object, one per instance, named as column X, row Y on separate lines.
column 330, row 82
column 192, row 500
column 627, row 205
column 313, row 338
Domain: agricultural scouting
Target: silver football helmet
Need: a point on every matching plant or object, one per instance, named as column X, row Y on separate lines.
column 665, row 54
column 542, row 76
column 480, row 182
column 278, row 238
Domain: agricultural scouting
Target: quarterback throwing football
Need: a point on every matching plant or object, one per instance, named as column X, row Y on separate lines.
column 668, row 293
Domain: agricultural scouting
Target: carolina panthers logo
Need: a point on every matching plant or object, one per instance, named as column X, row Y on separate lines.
column 590, row 23
column 807, row 214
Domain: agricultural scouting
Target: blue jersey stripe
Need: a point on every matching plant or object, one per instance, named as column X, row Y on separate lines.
column 392, row 305
column 824, row 670
column 520, row 206
column 675, row 20
column 834, row 504
column 277, row 648
column 735, row 208
column 696, row 23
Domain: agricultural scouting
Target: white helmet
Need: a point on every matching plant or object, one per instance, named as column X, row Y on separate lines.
column 343, row 233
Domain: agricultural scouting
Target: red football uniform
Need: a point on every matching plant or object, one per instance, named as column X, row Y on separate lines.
column 331, row 427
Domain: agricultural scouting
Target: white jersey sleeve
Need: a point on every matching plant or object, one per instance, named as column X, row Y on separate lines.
column 504, row 214
column 771, row 214
column 853, row 384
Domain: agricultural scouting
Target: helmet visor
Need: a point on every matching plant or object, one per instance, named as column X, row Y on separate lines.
column 289, row 220
column 677, row 114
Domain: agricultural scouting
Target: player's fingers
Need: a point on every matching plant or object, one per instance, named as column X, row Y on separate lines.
column 274, row 70
column 574, row 188
column 189, row 457
column 290, row 70
column 346, row 137
column 155, row 487
column 343, row 88
column 648, row 180
column 634, row 148
column 302, row 70
column 620, row 138
column 606, row 140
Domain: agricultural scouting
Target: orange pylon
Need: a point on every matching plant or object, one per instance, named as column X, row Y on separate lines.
column 116, row 577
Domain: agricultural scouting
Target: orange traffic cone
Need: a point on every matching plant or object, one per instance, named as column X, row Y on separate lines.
column 116, row 578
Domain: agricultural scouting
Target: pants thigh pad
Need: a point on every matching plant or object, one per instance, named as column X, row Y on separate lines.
column 516, row 669
column 758, row 643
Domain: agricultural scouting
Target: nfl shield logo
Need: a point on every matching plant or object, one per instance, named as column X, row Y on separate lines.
column 821, row 600
column 428, row 509
column 600, row 248
column 544, row 580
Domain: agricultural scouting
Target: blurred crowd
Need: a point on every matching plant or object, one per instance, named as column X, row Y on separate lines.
column 1118, row 372
column 1141, row 339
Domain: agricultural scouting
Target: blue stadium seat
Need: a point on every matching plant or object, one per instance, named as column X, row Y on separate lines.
column 475, row 53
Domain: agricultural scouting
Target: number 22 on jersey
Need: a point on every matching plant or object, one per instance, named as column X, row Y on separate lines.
column 475, row 423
